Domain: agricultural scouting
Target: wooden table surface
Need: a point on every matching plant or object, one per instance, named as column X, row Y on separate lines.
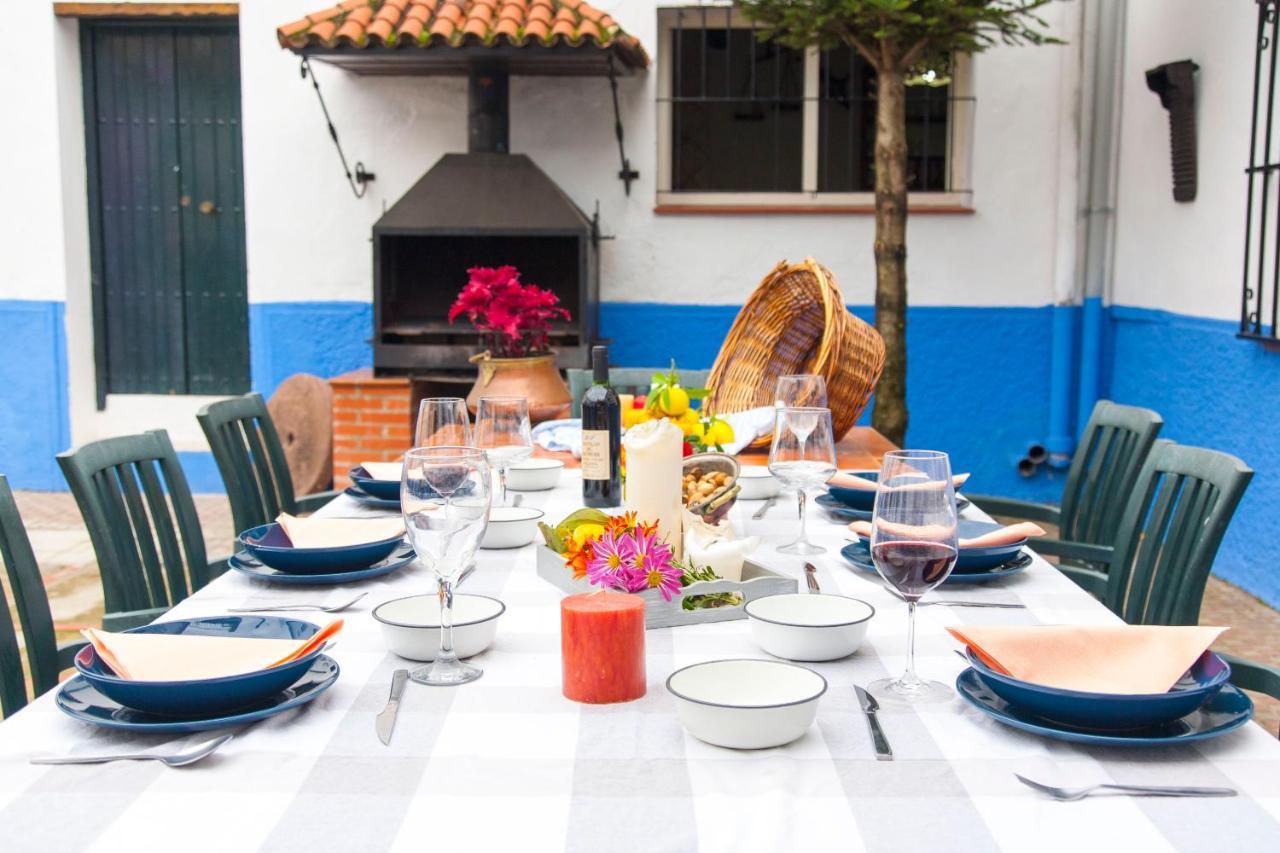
column 862, row 447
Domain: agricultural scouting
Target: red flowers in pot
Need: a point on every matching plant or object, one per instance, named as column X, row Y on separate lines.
column 513, row 319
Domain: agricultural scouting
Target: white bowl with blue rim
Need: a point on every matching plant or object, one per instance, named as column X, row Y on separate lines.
column 809, row 627
column 745, row 703
column 1089, row 710
column 270, row 545
column 411, row 625
column 204, row 697
column 536, row 474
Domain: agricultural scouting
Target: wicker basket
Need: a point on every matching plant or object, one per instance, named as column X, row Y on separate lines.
column 796, row 322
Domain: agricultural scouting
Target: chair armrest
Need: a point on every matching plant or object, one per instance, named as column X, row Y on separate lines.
column 67, row 652
column 1094, row 583
column 1252, row 675
column 125, row 620
column 311, row 503
column 1016, row 508
column 1080, row 552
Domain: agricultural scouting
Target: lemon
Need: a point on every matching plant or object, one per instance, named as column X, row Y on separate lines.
column 690, row 424
column 631, row 417
column 676, row 402
column 582, row 531
column 719, row 432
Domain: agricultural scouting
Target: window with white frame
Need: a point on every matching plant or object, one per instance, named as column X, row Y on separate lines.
column 745, row 122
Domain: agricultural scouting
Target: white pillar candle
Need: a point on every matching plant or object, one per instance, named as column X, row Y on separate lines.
column 655, row 468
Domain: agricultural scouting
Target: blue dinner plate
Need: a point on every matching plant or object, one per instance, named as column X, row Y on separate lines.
column 370, row 501
column 857, row 554
column 79, row 699
column 269, row 545
column 862, row 499
column 204, row 696
column 980, row 559
column 245, row 564
column 387, row 490
column 1225, row 711
column 839, row 511
column 1082, row 709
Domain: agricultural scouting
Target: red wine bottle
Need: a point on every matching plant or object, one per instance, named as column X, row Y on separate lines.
column 601, row 436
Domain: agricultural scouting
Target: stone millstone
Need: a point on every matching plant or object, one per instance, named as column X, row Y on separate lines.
column 302, row 408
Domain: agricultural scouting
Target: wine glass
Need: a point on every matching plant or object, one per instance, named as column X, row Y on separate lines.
column 502, row 429
column 444, row 496
column 442, row 421
column 801, row 389
column 914, row 547
column 803, row 456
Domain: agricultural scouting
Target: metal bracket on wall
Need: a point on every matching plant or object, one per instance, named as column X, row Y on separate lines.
column 1175, row 84
column 626, row 174
column 359, row 179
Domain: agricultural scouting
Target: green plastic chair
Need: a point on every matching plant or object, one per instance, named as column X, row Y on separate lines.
column 250, row 458
column 628, row 380
column 45, row 658
column 143, row 525
column 1116, row 443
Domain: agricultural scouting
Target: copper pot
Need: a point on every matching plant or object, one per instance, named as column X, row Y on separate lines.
column 534, row 377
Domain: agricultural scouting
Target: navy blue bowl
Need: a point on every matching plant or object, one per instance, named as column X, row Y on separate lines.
column 1109, row 710
column 980, row 559
column 387, row 490
column 271, row 547
column 863, row 499
column 204, row 697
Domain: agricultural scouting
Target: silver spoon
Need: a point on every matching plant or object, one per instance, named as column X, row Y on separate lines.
column 1068, row 795
column 190, row 755
column 335, row 608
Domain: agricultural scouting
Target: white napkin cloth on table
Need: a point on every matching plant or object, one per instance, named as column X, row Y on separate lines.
column 561, row 435
column 312, row 532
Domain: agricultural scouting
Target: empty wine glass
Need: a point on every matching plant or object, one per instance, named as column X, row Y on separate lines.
column 443, row 421
column 913, row 545
column 803, row 456
column 444, row 496
column 801, row 389
column 503, row 431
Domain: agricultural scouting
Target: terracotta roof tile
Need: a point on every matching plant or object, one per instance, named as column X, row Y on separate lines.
column 366, row 24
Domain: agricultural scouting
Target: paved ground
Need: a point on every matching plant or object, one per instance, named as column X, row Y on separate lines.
column 71, row 575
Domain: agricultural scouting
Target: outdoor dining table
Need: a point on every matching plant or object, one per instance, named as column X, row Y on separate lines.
column 507, row 763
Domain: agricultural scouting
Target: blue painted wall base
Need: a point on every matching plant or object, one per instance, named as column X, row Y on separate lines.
column 34, row 420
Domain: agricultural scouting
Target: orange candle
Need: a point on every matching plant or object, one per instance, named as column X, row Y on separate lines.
column 602, row 645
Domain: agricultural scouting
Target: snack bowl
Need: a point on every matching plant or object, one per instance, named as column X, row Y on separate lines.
column 511, row 527
column 1087, row 710
column 745, row 703
column 411, row 625
column 715, row 505
column 534, row 475
column 809, row 627
column 200, row 697
column 270, row 546
column 757, row 483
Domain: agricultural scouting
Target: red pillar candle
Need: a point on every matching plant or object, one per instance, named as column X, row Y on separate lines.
column 602, row 645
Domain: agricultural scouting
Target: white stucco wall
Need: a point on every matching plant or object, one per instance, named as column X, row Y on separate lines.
column 1203, row 277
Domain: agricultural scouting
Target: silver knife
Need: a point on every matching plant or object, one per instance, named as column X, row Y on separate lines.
column 764, row 507
column 386, row 721
column 869, row 708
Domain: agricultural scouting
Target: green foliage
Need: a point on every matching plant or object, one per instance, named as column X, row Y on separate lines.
column 900, row 35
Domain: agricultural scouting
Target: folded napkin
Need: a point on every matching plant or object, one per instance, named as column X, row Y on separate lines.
column 383, row 470
column 748, row 426
column 1007, row 535
column 312, row 532
column 716, row 546
column 185, row 657
column 1125, row 659
column 844, row 480
column 560, row 436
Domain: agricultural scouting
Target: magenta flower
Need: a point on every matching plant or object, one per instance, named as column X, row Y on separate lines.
column 612, row 559
column 652, row 566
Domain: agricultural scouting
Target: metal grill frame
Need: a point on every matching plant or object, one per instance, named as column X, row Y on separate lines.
column 1258, row 244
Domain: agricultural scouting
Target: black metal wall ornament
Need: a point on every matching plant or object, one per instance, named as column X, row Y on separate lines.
column 626, row 174
column 358, row 178
column 1175, row 83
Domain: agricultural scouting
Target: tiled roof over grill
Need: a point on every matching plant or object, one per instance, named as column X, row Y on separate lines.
column 372, row 25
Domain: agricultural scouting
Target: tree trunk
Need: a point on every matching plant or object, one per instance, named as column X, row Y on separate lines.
column 890, row 413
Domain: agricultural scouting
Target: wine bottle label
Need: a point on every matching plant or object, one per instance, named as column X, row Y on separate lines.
column 595, row 454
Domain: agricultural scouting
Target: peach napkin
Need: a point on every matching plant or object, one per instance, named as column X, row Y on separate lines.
column 1003, row 536
column 1126, row 659
column 312, row 532
column 181, row 657
column 844, row 480
column 383, row 470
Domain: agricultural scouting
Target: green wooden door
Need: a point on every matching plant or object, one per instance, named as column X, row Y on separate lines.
column 166, row 206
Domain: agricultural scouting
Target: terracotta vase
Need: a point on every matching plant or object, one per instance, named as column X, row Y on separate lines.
column 534, row 377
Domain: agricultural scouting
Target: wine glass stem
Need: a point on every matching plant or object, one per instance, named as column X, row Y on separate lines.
column 502, row 483
column 800, row 498
column 909, row 677
column 446, row 621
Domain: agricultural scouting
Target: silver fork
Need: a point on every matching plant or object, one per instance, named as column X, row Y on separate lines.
column 1068, row 795
column 333, row 608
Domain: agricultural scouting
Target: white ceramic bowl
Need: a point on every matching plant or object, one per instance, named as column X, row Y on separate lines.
column 411, row 626
column 746, row 704
column 809, row 626
column 511, row 527
column 757, row 483
column 534, row 475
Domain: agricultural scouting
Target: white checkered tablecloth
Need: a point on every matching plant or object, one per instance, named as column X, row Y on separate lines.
column 508, row 764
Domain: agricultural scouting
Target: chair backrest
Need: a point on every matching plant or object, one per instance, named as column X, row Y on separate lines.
column 250, row 459
column 628, row 380
column 1112, row 451
column 28, row 598
column 1172, row 526
column 142, row 521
